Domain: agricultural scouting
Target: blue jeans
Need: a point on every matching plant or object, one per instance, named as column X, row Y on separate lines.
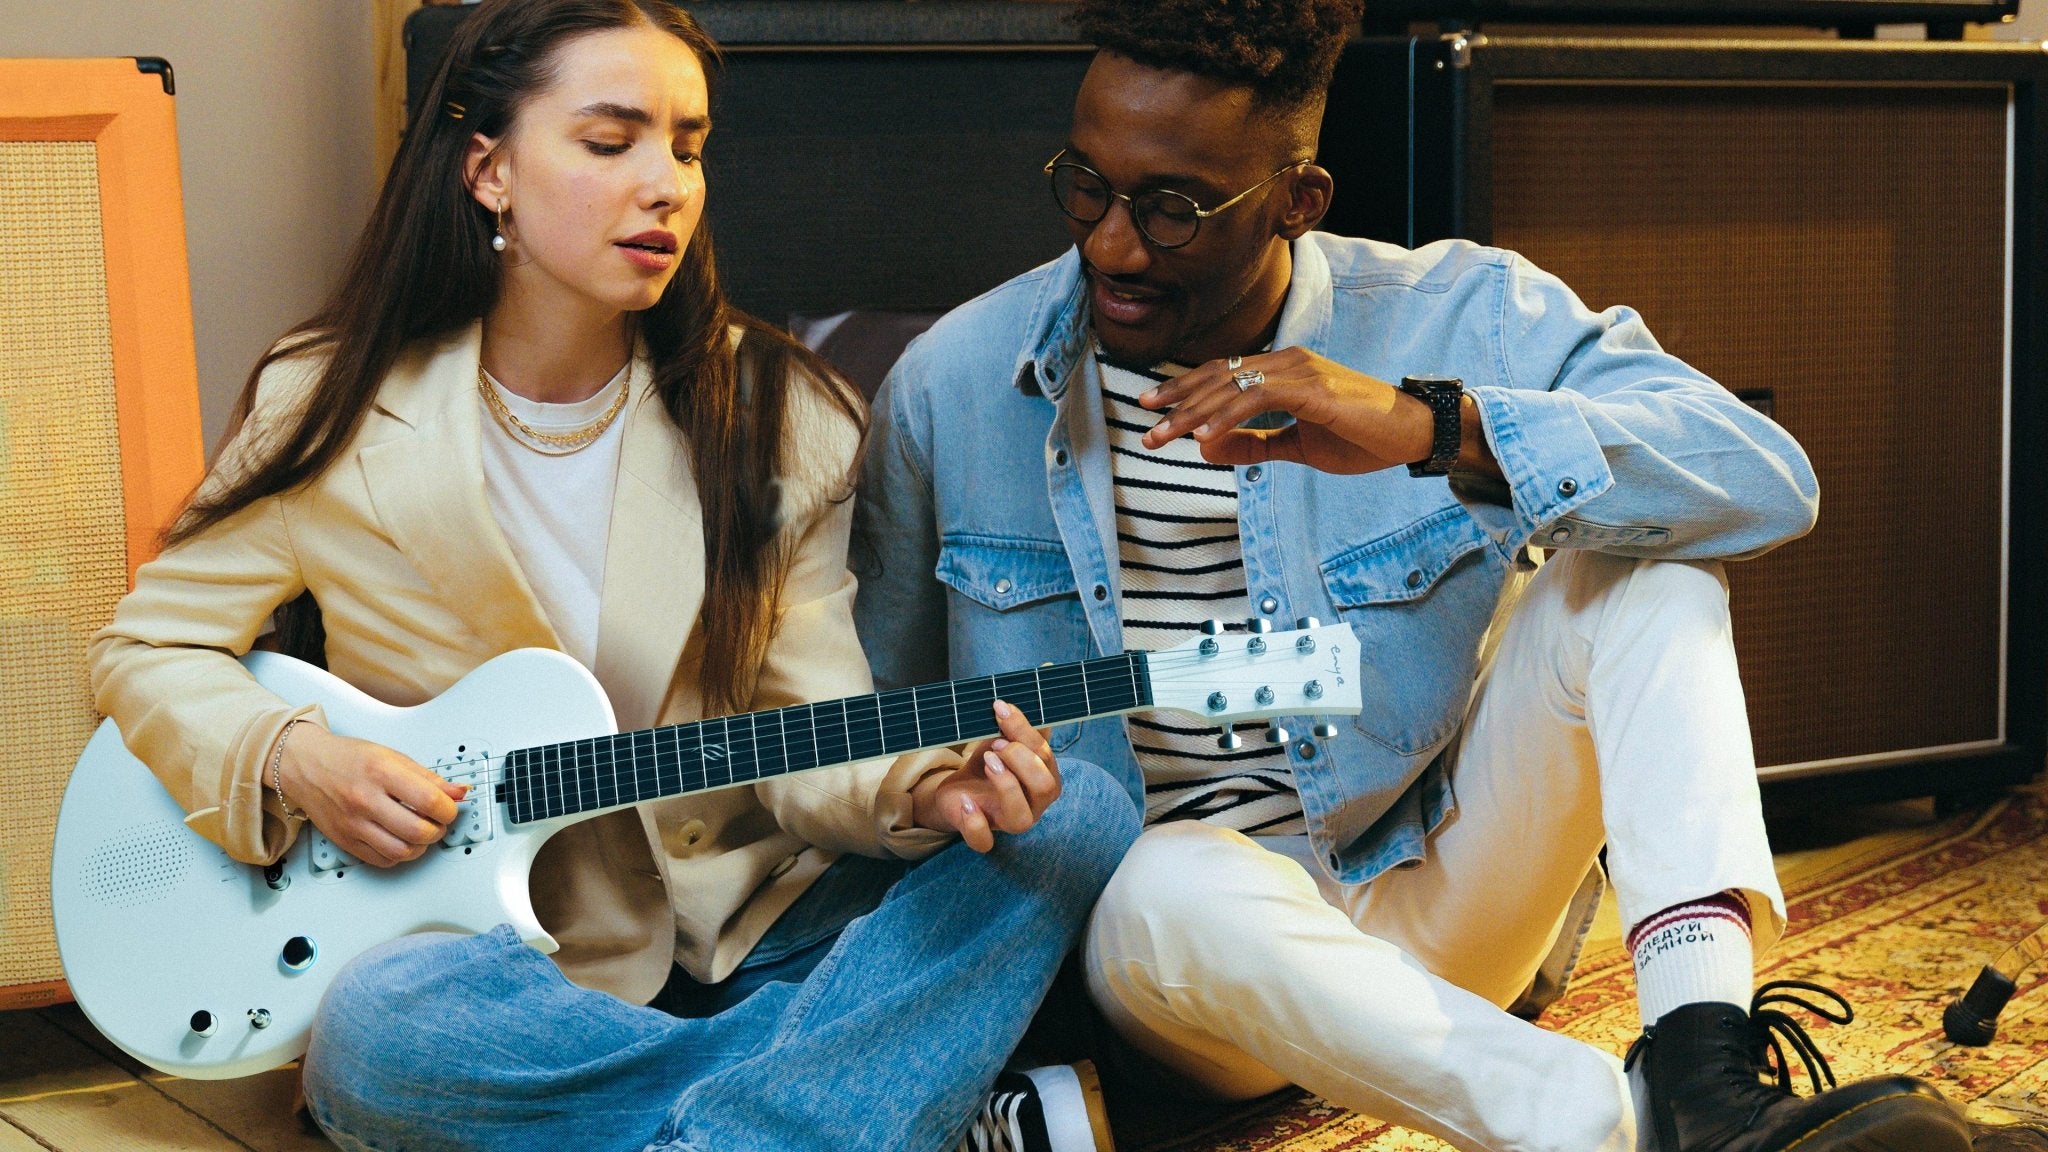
column 882, row 1035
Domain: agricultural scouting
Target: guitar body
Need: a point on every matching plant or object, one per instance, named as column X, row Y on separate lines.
column 157, row 926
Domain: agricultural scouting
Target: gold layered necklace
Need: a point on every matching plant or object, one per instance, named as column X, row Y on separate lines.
column 551, row 443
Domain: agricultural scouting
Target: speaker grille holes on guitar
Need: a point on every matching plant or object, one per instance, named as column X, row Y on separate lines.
column 298, row 953
column 139, row 865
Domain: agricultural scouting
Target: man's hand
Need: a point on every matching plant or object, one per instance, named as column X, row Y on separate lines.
column 1005, row 785
column 1344, row 421
column 375, row 804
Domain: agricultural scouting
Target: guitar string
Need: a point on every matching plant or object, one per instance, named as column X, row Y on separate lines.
column 630, row 762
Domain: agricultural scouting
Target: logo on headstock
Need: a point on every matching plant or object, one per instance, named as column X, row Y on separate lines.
column 1337, row 662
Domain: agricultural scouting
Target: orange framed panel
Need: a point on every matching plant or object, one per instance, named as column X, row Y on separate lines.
column 114, row 119
column 127, row 113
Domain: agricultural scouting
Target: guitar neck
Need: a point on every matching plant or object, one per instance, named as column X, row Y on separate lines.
column 555, row 780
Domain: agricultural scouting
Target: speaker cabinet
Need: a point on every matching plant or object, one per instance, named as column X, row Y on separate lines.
column 1822, row 13
column 871, row 156
column 1848, row 236
column 99, row 428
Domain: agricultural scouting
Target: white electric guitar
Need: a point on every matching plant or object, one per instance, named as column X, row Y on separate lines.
column 204, row 967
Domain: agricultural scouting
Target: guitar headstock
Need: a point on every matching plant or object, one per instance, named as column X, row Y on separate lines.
column 1233, row 677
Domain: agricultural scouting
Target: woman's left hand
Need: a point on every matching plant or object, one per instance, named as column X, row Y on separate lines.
column 1005, row 785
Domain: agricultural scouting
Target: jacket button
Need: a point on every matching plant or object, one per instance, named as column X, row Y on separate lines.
column 1102, row 591
column 682, row 837
column 1253, row 473
column 1002, row 585
column 1560, row 534
column 1269, row 605
column 1567, row 486
column 1415, row 578
column 782, row 867
column 1306, row 749
column 1060, row 457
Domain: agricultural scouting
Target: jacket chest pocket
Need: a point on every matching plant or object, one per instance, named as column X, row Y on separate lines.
column 1015, row 605
column 1419, row 600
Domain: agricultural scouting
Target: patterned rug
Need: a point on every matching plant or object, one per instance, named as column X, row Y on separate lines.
column 1899, row 931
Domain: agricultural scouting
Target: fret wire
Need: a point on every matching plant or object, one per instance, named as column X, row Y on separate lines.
column 536, row 781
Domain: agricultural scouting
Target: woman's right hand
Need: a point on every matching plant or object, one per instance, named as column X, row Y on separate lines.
column 375, row 804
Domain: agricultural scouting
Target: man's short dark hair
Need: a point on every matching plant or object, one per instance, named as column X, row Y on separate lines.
column 1284, row 50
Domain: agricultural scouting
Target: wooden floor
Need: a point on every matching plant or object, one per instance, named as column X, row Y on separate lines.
column 64, row 1088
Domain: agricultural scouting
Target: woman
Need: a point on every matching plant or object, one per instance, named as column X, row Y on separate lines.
column 528, row 418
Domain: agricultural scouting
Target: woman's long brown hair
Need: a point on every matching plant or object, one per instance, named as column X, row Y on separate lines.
column 424, row 267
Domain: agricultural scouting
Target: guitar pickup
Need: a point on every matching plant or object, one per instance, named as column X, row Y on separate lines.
column 471, row 824
column 325, row 855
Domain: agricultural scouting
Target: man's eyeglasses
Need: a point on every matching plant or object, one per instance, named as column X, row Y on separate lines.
column 1165, row 218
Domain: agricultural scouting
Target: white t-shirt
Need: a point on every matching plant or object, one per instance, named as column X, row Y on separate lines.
column 556, row 510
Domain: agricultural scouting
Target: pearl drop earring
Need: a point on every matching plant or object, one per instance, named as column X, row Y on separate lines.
column 498, row 237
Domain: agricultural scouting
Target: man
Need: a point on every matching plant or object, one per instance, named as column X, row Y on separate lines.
column 1201, row 411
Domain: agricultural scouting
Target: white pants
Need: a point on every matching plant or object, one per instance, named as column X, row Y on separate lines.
column 1609, row 713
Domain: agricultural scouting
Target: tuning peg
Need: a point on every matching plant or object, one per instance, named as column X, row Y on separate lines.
column 1230, row 741
column 1307, row 622
column 1263, row 696
column 1325, row 731
column 1258, row 624
column 1277, row 735
column 1313, row 690
column 1212, row 627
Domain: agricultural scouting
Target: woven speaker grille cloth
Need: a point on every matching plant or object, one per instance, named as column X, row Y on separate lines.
column 63, row 547
column 1843, row 248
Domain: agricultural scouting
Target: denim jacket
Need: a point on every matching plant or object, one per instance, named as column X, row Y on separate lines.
column 987, row 517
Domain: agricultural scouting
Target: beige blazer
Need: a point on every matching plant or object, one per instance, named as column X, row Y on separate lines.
column 417, row 586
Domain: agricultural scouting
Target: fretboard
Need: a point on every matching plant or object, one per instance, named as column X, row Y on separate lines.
column 579, row 776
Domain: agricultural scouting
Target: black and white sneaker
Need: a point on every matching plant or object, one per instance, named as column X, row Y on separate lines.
column 1057, row 1108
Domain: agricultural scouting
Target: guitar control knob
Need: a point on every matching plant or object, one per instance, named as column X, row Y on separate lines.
column 1212, row 627
column 1230, row 741
column 1307, row 622
column 1325, row 731
column 259, row 1018
column 1277, row 735
column 203, row 1023
column 1264, row 695
column 1259, row 624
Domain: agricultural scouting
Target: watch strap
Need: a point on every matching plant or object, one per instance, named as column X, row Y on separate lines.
column 1445, row 396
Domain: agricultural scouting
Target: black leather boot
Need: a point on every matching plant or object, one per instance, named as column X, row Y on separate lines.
column 1718, row 1082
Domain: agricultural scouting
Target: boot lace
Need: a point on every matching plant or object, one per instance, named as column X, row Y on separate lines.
column 1773, row 1024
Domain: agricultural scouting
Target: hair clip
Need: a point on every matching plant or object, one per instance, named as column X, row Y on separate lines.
column 455, row 110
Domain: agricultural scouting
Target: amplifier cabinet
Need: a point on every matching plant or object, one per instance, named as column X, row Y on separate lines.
column 869, row 156
column 1849, row 236
column 1822, row 13
column 99, row 428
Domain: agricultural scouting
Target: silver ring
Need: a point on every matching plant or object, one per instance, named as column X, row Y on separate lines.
column 1234, row 363
column 1248, row 377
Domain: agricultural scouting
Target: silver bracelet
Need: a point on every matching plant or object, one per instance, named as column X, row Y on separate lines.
column 276, row 771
